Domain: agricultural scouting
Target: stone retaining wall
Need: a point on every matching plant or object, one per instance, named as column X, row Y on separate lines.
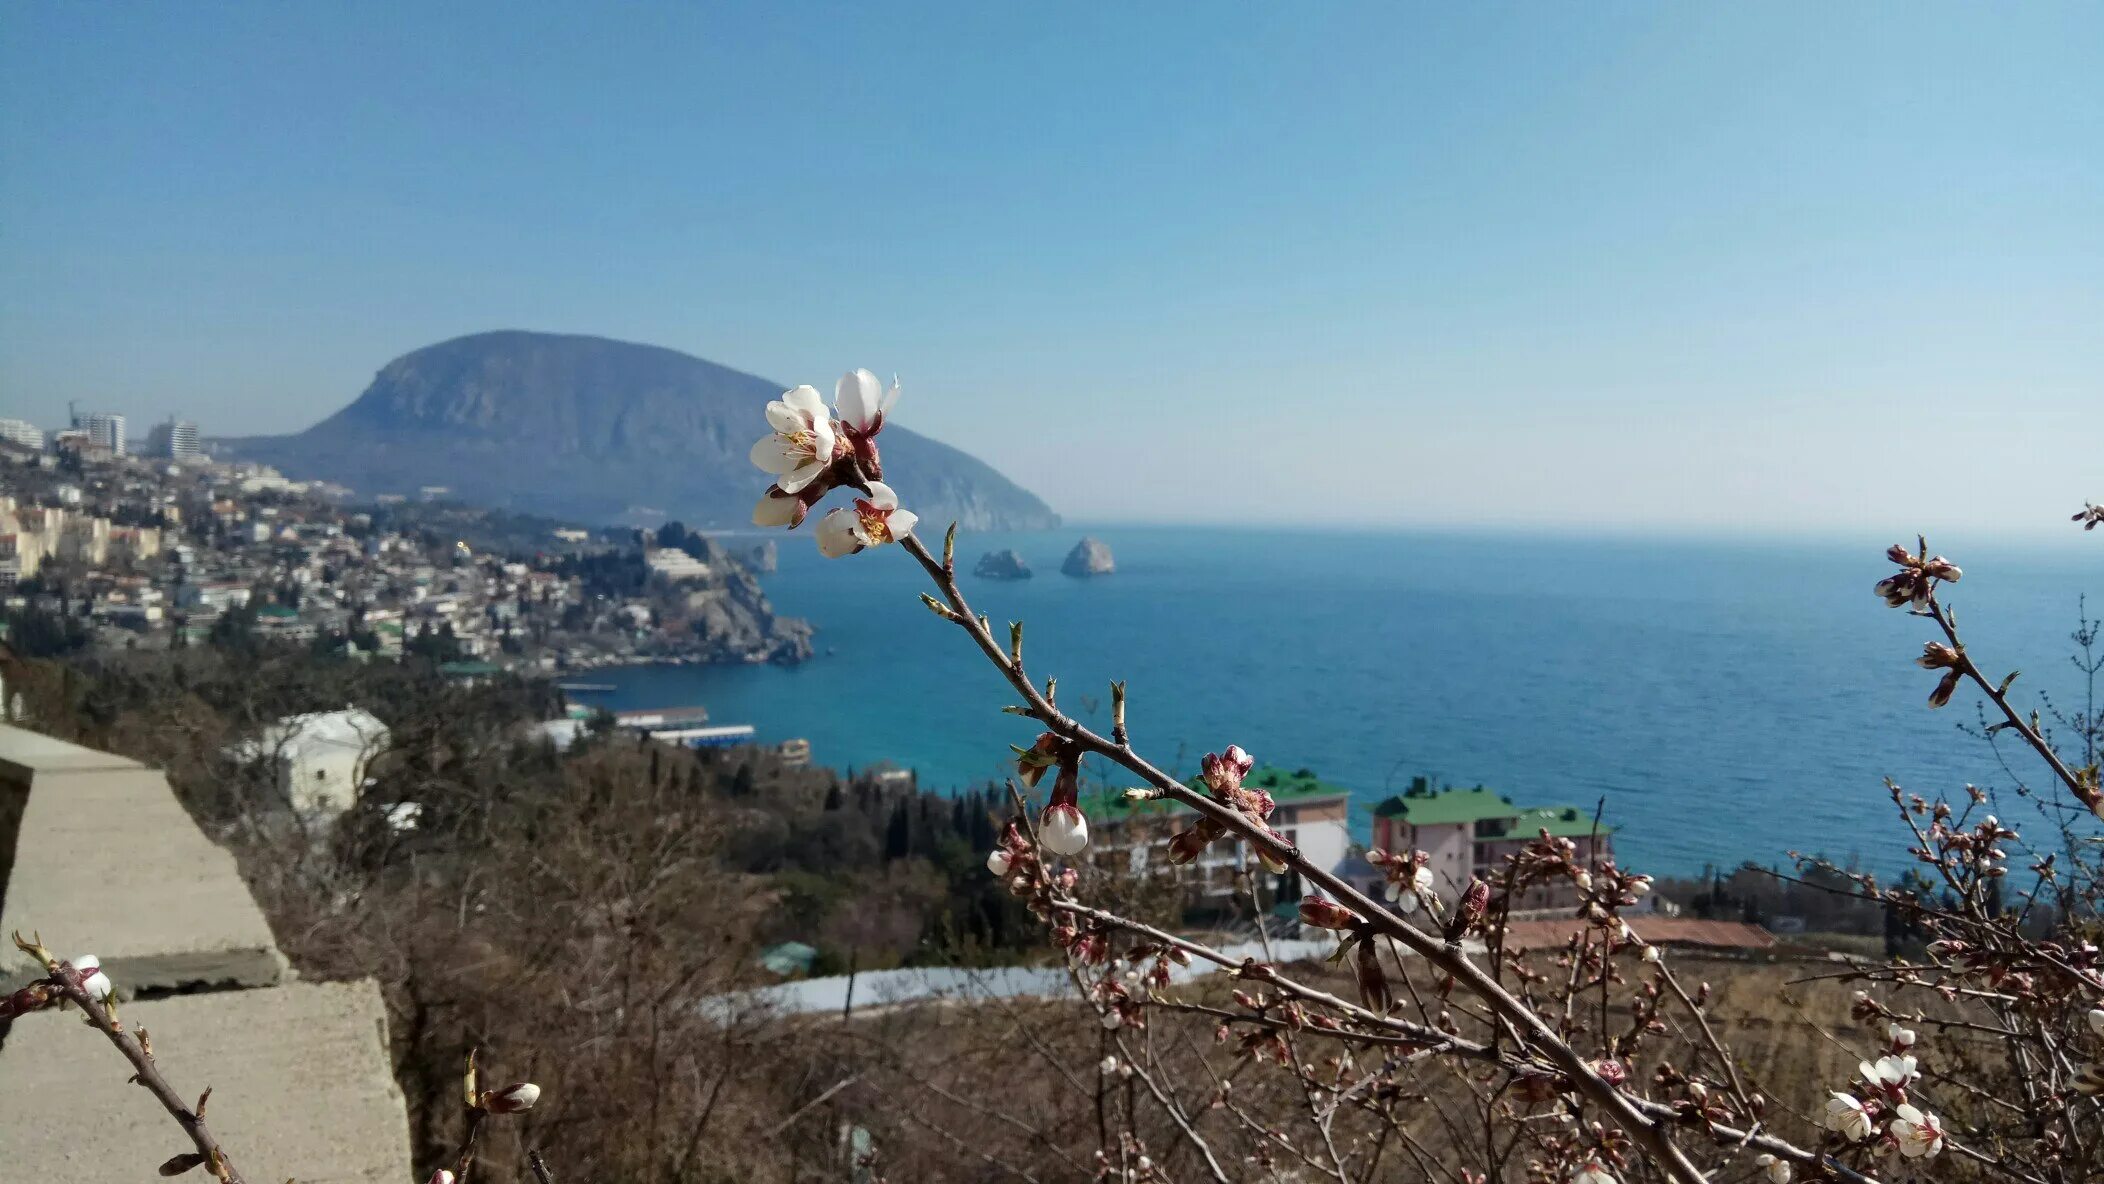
column 103, row 859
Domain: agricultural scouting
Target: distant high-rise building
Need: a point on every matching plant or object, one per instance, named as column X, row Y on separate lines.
column 176, row 439
column 22, row 432
column 103, row 427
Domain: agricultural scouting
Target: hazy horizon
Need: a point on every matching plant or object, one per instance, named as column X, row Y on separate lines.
column 1791, row 270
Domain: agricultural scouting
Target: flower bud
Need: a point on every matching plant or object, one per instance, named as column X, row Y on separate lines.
column 998, row 861
column 92, row 980
column 179, row 1164
column 1321, row 912
column 512, row 1099
column 442, row 1176
column 1062, row 829
column 1186, row 846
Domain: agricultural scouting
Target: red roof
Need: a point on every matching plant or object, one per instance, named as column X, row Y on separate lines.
column 1661, row 931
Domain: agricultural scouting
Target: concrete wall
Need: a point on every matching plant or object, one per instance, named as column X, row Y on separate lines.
column 104, row 860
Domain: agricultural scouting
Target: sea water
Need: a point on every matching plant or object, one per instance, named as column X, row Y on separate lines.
column 1726, row 701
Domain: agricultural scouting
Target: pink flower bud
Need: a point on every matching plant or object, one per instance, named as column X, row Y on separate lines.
column 1321, row 912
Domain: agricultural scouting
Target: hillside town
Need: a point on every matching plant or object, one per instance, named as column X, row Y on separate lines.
column 101, row 545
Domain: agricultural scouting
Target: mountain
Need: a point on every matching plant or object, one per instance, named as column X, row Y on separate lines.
column 601, row 431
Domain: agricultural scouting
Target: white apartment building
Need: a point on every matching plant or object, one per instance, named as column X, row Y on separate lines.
column 105, row 428
column 175, row 439
column 675, row 564
column 23, row 433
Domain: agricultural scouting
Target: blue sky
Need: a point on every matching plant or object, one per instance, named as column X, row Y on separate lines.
column 1625, row 266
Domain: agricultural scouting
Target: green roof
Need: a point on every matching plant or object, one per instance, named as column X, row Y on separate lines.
column 790, row 957
column 1284, row 787
column 1462, row 807
column 277, row 611
column 1562, row 822
column 469, row 669
column 1447, row 807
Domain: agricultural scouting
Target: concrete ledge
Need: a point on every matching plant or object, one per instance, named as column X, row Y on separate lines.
column 300, row 1077
column 107, row 862
column 24, row 753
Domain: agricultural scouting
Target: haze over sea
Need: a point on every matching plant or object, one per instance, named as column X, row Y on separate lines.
column 1729, row 701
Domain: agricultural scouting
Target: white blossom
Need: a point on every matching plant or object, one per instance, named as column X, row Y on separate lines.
column 1889, row 1073
column 1777, row 1170
column 1594, row 1173
column 862, row 402
column 511, row 1099
column 997, row 861
column 874, row 521
column 801, row 445
column 1900, row 1037
column 1918, row 1134
column 1063, row 829
column 1846, row 1117
column 92, row 979
column 776, row 508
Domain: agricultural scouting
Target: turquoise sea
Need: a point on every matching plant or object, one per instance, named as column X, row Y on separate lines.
column 1728, row 701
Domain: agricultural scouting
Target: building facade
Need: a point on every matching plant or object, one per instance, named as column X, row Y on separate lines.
column 320, row 760
column 174, row 439
column 1469, row 833
column 1312, row 814
column 22, row 433
column 105, row 429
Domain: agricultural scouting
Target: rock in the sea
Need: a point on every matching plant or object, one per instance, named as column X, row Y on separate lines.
column 1001, row 565
column 1090, row 557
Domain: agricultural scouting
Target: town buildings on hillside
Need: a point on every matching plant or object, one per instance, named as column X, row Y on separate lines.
column 178, row 549
column 1466, row 832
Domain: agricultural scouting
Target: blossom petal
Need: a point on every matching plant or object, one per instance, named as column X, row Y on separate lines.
column 882, row 497
column 778, row 455
column 807, row 400
column 794, row 480
column 858, row 398
column 785, row 419
column 774, row 510
column 901, row 523
column 837, row 533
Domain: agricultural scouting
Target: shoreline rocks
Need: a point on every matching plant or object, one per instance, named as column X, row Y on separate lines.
column 1090, row 557
column 1001, row 565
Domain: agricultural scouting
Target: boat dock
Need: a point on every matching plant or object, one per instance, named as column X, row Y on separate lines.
column 688, row 727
